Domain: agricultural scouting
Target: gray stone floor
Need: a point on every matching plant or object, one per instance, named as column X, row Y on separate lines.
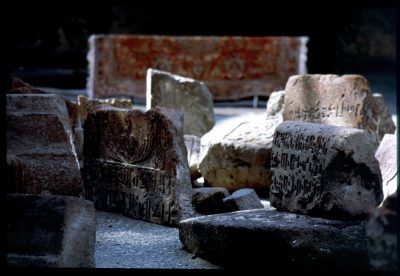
column 122, row 242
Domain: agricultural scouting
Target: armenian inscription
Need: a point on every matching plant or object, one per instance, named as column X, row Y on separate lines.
column 136, row 164
column 334, row 100
column 324, row 170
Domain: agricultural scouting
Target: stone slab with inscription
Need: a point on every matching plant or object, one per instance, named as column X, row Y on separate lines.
column 334, row 100
column 136, row 164
column 189, row 96
column 324, row 170
column 260, row 237
column 39, row 132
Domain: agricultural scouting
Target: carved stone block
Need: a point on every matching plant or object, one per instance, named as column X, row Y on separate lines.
column 324, row 170
column 334, row 100
column 136, row 164
column 39, row 133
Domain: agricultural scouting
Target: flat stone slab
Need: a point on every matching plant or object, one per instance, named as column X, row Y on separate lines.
column 50, row 231
column 39, row 132
column 265, row 238
column 324, row 170
column 186, row 95
column 136, row 164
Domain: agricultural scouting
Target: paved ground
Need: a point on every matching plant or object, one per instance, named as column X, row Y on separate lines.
column 122, row 242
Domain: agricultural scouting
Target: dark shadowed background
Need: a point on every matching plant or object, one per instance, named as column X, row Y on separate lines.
column 48, row 45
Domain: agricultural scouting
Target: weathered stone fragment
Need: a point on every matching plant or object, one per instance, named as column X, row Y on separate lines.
column 39, row 133
column 324, row 170
column 21, row 87
column 243, row 199
column 334, row 100
column 382, row 234
column 186, row 95
column 240, row 158
column 387, row 158
column 386, row 124
column 253, row 238
column 192, row 143
column 275, row 104
column 210, row 200
column 50, row 231
column 136, row 163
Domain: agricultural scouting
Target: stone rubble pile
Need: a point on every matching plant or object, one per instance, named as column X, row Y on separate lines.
column 323, row 154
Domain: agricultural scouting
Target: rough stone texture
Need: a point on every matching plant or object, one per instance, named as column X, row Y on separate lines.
column 324, row 170
column 382, row 234
column 16, row 169
column 192, row 143
column 210, row 200
column 50, row 231
column 39, row 133
column 21, row 87
column 275, row 103
column 386, row 124
column 240, row 157
column 243, row 199
column 136, row 163
column 334, row 100
column 387, row 158
column 83, row 107
column 186, row 95
column 232, row 67
column 254, row 238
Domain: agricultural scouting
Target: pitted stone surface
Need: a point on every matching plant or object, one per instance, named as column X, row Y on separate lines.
column 324, row 170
